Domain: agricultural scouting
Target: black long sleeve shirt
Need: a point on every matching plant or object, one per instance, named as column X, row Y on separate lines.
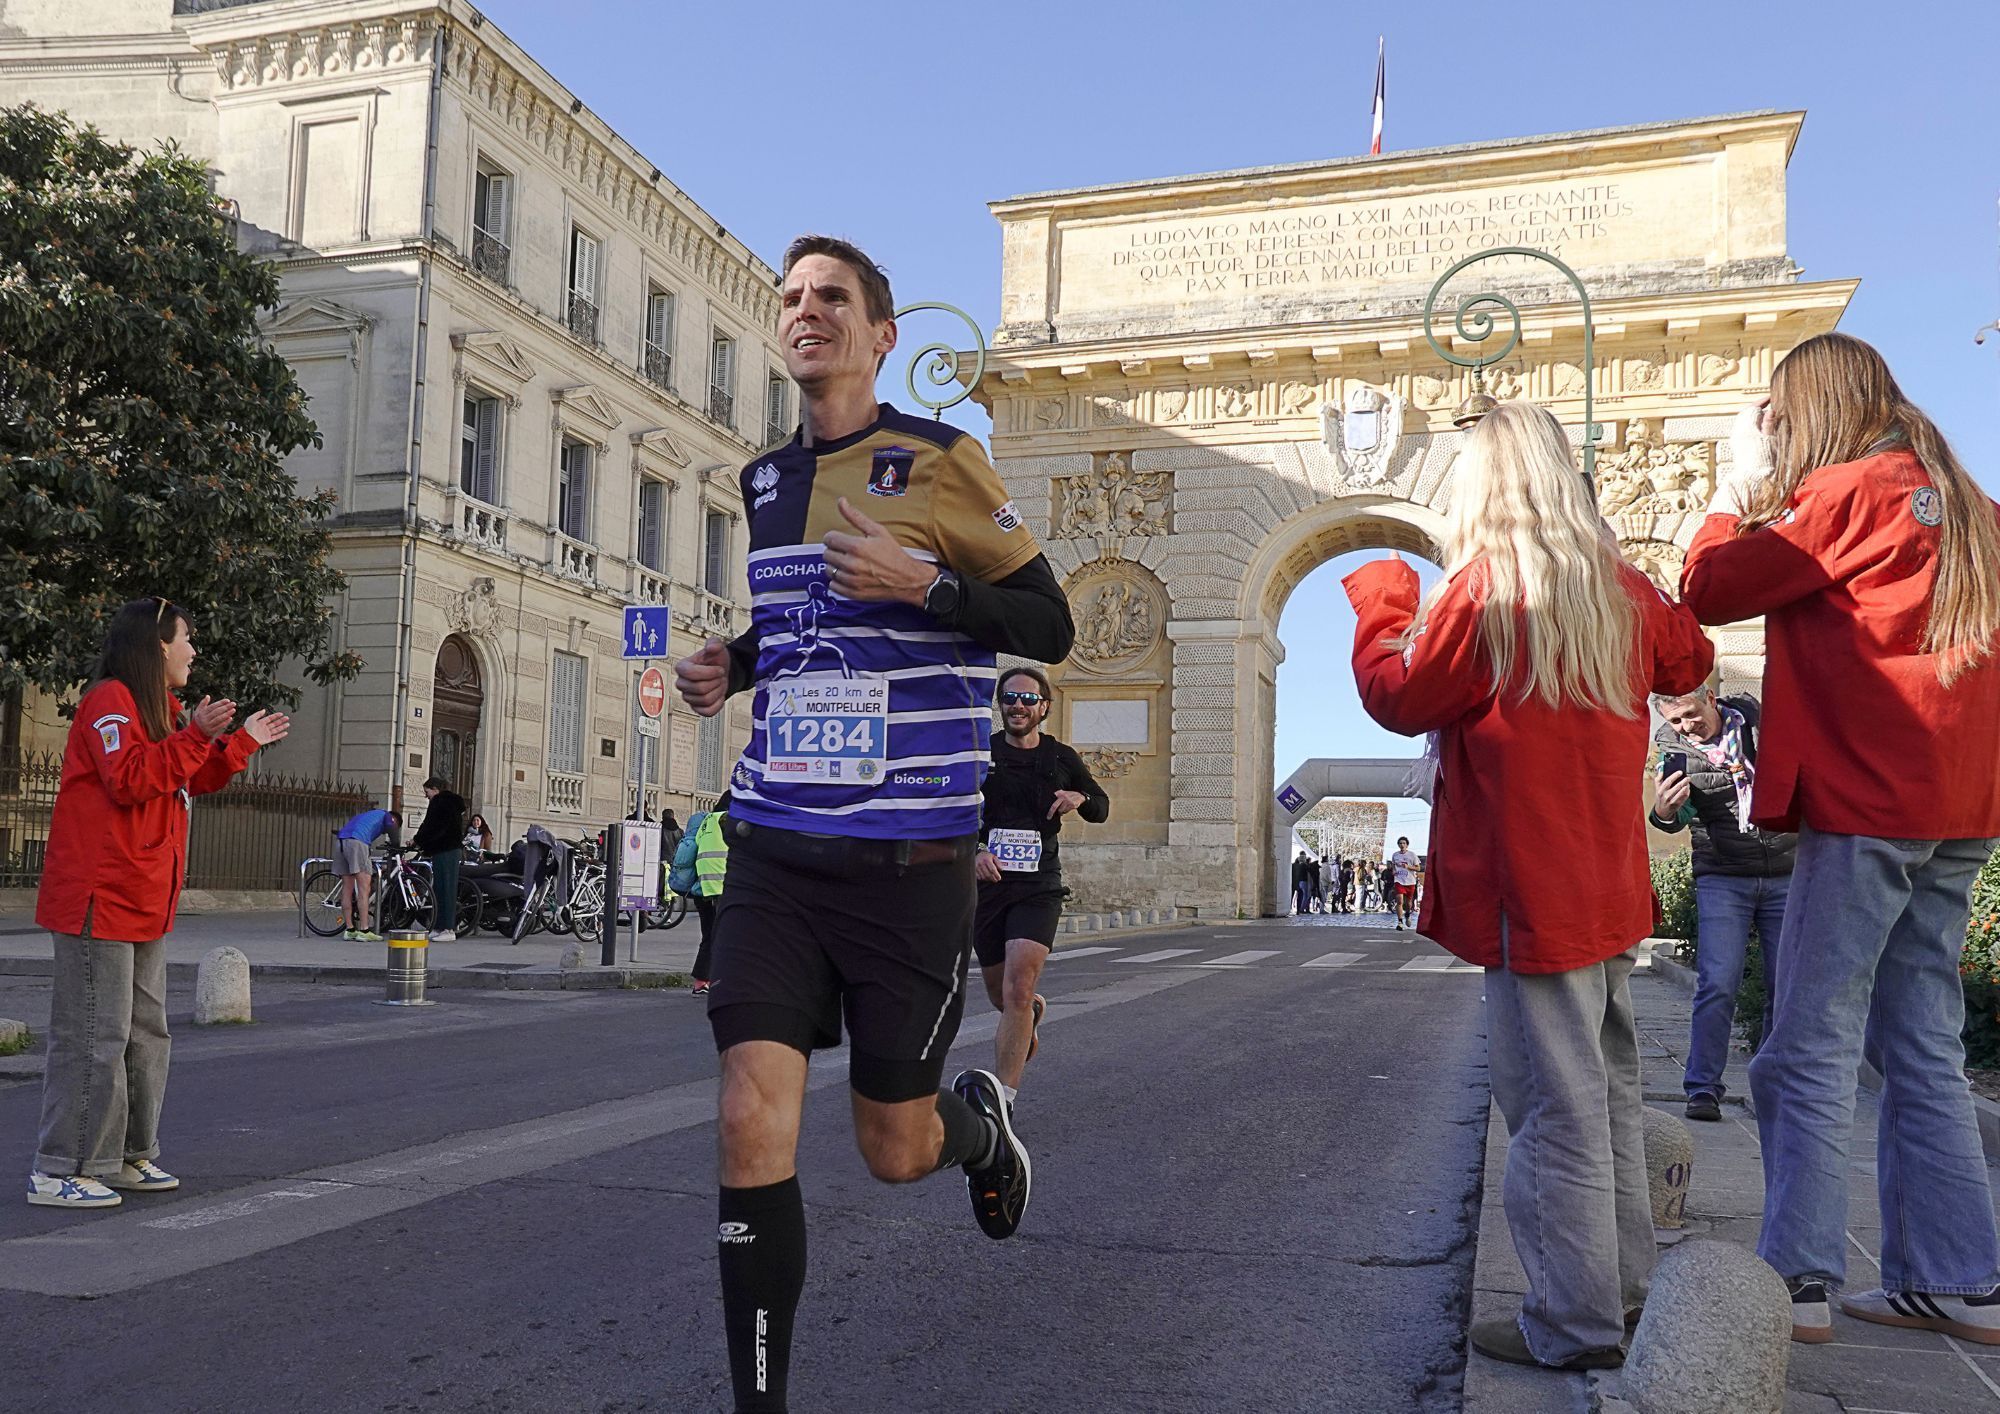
column 1021, row 788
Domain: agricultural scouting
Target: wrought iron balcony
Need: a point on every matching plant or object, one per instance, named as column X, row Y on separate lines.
column 489, row 256
column 659, row 366
column 722, row 406
column 582, row 318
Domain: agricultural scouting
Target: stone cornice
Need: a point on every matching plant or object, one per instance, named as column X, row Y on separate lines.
column 1177, row 357
column 1457, row 164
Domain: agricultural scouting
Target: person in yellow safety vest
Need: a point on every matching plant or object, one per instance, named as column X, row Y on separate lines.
column 711, row 862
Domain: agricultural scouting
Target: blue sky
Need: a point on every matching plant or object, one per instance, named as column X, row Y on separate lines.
column 895, row 123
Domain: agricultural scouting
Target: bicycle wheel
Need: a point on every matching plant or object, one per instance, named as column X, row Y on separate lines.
column 586, row 908
column 319, row 900
column 470, row 908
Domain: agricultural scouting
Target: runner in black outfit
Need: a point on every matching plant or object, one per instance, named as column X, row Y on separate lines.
column 887, row 568
column 1036, row 780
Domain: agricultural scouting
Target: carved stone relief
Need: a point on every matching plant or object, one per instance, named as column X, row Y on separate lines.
column 1120, row 611
column 477, row 610
column 1169, row 404
column 1107, row 764
column 1113, row 499
column 1650, row 476
column 1659, row 560
column 1430, row 392
column 1052, row 414
column 1364, row 437
column 1712, row 369
column 1504, row 383
column 1566, row 380
column 1107, row 411
column 1235, row 400
column 1296, row 397
column 1642, row 375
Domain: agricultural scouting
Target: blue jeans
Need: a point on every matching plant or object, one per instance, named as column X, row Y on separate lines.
column 1727, row 905
column 1869, row 966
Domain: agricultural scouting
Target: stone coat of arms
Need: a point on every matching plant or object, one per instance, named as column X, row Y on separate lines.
column 1363, row 438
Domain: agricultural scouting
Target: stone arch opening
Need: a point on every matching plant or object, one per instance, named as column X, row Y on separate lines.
column 458, row 704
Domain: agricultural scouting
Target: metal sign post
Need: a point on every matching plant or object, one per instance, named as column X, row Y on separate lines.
column 646, row 633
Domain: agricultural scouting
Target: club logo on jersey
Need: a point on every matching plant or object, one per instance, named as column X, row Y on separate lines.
column 889, row 471
column 1927, row 506
column 764, row 481
column 107, row 731
column 1007, row 518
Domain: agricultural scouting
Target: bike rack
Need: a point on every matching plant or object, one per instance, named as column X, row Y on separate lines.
column 306, row 867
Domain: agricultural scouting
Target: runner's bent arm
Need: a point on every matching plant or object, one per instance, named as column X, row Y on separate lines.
column 742, row 661
column 1025, row 614
column 1096, row 807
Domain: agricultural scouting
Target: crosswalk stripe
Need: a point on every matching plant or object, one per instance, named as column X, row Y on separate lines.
column 1335, row 959
column 1237, row 959
column 1161, row 956
column 1441, row 963
column 1061, row 953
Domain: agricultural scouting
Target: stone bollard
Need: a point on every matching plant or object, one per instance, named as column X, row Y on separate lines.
column 222, row 988
column 13, row 1037
column 1715, row 1338
column 572, row 957
column 1669, row 1166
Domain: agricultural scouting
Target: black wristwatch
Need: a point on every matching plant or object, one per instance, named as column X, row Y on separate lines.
column 942, row 599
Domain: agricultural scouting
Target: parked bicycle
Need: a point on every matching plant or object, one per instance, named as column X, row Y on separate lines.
column 402, row 895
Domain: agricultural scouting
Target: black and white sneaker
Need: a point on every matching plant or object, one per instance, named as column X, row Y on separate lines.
column 1000, row 1190
column 1812, row 1317
column 1974, row 1318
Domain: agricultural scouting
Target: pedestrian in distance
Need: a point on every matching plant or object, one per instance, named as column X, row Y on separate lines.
column 478, row 839
column 1531, row 660
column 708, row 858
column 117, row 857
column 440, row 838
column 1316, row 884
column 1874, row 558
column 850, row 892
column 355, row 843
column 1301, row 885
column 1742, row 873
column 1405, row 869
column 1035, row 781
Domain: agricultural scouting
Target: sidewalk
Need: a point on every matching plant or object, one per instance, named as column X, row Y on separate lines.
column 1868, row 1369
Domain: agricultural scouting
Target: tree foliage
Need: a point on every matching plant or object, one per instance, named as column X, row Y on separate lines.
column 143, row 425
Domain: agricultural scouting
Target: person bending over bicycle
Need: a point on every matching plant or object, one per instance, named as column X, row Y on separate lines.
column 355, row 842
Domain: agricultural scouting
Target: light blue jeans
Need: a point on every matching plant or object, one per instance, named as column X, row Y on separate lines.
column 1727, row 906
column 1869, row 966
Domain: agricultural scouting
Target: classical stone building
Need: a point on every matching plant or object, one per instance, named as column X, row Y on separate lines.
column 535, row 362
column 1205, row 387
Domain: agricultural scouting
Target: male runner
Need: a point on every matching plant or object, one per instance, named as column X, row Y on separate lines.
column 1407, row 868
column 855, row 809
column 1036, row 780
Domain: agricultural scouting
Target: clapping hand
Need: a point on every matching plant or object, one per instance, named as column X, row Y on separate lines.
column 210, row 717
column 267, row 727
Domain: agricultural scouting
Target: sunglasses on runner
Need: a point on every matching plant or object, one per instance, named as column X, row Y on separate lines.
column 1020, row 699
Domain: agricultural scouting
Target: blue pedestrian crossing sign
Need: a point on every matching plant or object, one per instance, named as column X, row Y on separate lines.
column 646, row 627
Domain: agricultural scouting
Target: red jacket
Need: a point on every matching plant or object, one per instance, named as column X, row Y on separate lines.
column 117, row 850
column 1859, row 736
column 1538, row 811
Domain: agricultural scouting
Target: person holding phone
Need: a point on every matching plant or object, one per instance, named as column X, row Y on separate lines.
column 1742, row 872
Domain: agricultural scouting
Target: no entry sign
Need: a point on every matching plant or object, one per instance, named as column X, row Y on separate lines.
column 652, row 692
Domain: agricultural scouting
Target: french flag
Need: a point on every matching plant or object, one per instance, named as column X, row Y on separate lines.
column 1381, row 96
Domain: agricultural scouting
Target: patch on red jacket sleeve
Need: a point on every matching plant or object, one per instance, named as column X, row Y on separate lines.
column 107, row 731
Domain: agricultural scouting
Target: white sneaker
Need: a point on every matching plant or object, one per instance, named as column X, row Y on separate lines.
column 1974, row 1318
column 444, row 936
column 1812, row 1319
column 145, row 1176
column 73, row 1191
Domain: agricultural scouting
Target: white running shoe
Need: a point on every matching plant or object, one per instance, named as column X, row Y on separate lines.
column 71, row 1191
column 144, row 1176
column 444, row 935
column 1974, row 1318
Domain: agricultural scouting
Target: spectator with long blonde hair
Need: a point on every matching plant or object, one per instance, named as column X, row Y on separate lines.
column 1531, row 661
column 1875, row 561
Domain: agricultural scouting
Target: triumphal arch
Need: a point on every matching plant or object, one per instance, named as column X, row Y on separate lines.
column 1203, row 388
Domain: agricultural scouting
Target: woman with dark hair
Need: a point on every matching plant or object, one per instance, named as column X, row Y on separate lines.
column 117, row 855
column 441, row 840
column 1874, row 558
column 478, row 835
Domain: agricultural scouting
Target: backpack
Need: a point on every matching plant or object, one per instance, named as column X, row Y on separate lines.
column 680, row 877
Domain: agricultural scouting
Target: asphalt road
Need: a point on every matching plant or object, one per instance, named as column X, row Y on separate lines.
column 1256, row 1153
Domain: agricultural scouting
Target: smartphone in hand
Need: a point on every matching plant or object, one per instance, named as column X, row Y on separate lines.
column 1673, row 763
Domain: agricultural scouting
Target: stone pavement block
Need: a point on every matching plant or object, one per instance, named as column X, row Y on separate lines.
column 1883, row 1378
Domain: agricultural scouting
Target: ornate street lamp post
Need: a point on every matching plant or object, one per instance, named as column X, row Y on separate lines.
column 1473, row 322
column 940, row 362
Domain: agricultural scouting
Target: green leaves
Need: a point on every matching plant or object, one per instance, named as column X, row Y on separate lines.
column 144, row 425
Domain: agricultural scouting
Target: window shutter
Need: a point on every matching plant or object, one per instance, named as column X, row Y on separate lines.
column 499, row 193
column 652, row 502
column 579, row 495
column 486, row 453
column 566, row 714
column 774, row 407
column 660, row 321
column 583, row 265
column 716, row 570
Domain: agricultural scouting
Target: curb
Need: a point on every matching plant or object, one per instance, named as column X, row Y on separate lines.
column 1671, row 969
column 502, row 977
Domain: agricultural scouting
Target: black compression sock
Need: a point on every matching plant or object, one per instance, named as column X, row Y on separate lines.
column 762, row 1248
column 969, row 1136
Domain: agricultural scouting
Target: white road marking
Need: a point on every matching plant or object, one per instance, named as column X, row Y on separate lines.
column 1335, row 959
column 125, row 1251
column 1161, row 956
column 1235, row 959
column 1440, row 962
column 1060, row 953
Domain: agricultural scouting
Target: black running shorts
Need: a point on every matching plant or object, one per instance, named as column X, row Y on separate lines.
column 799, row 945
column 1019, row 906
